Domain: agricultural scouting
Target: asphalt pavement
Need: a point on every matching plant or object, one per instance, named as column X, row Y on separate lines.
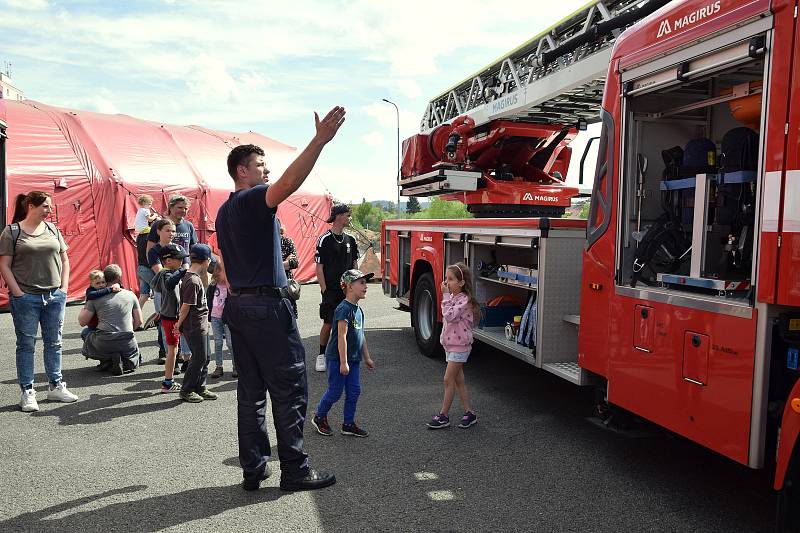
column 127, row 458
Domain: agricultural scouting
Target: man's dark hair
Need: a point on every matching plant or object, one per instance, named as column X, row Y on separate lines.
column 240, row 155
column 112, row 273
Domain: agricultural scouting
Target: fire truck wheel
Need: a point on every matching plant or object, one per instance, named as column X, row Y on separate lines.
column 424, row 317
column 788, row 512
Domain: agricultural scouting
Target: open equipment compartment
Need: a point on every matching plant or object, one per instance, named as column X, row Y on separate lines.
column 693, row 137
column 555, row 261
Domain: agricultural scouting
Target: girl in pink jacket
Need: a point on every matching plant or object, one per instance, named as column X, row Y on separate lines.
column 459, row 309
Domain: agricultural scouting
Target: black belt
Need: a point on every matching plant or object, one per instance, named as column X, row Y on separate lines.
column 273, row 292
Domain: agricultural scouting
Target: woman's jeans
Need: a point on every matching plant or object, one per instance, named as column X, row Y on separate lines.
column 350, row 384
column 29, row 311
column 221, row 332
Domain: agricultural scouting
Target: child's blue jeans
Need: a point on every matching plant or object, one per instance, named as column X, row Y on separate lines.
column 221, row 332
column 350, row 384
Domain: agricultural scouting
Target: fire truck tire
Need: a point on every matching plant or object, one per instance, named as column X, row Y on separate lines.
column 788, row 511
column 425, row 317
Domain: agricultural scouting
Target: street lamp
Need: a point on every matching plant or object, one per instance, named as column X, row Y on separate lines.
column 397, row 112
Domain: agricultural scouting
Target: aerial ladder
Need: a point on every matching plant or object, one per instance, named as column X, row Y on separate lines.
column 499, row 140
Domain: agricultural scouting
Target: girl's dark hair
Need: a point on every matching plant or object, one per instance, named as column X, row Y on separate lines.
column 23, row 201
column 163, row 222
column 462, row 273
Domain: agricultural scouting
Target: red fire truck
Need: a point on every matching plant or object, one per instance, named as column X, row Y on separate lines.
column 679, row 297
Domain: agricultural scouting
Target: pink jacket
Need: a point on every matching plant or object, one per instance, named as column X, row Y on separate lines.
column 457, row 331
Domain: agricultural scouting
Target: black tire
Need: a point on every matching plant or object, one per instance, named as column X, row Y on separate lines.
column 424, row 317
column 788, row 511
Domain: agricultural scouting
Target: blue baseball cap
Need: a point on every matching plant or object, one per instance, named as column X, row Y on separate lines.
column 200, row 252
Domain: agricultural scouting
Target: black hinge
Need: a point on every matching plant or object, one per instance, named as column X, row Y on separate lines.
column 544, row 226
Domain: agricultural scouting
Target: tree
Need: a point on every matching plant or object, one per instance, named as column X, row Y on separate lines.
column 443, row 209
column 362, row 212
column 412, row 206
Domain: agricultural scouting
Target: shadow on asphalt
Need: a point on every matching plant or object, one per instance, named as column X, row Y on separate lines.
column 99, row 408
column 148, row 514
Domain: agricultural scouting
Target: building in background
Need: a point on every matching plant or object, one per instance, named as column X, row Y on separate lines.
column 7, row 89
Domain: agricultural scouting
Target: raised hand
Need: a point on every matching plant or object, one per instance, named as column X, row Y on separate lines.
column 328, row 126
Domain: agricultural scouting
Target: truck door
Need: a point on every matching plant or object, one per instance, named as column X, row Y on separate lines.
column 697, row 139
column 783, row 203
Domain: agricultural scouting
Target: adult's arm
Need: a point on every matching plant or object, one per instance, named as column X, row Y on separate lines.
column 298, row 171
column 8, row 276
column 64, row 272
column 152, row 237
column 84, row 317
column 137, row 316
column 321, row 277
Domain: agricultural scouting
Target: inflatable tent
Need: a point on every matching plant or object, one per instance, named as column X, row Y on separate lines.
column 96, row 165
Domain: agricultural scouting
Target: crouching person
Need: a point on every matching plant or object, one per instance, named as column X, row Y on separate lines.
column 118, row 315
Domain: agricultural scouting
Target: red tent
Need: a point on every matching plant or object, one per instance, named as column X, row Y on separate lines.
column 96, row 165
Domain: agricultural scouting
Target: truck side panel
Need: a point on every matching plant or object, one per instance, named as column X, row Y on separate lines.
column 694, row 379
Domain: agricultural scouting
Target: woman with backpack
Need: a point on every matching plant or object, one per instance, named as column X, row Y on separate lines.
column 35, row 267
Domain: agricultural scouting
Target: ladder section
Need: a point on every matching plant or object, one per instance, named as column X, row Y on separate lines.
column 556, row 77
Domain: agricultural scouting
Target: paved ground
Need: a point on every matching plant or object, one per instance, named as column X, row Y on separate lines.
column 126, row 458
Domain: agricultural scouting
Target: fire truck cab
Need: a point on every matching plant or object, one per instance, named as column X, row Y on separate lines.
column 680, row 295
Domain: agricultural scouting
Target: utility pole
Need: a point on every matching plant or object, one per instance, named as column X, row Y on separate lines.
column 397, row 112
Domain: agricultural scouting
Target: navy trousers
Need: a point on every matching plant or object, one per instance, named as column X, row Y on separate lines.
column 270, row 358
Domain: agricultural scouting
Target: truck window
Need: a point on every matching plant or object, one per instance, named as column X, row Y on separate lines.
column 691, row 149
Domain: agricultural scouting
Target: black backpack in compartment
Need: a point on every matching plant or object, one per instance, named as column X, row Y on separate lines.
column 739, row 150
column 739, row 153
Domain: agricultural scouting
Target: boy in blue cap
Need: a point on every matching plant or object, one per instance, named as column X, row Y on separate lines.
column 346, row 348
column 193, row 325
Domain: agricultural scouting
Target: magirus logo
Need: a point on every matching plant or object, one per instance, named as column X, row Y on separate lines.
column 539, row 198
column 664, row 28
column 680, row 22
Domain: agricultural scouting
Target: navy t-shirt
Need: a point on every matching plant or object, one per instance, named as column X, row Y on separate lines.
column 354, row 316
column 250, row 241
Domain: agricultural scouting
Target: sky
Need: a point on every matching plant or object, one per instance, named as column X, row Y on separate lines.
column 267, row 66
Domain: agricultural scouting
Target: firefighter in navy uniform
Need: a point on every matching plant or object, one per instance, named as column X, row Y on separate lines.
column 269, row 352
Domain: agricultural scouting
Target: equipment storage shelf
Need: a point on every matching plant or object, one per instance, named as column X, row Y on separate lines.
column 508, row 284
column 495, row 336
column 549, row 270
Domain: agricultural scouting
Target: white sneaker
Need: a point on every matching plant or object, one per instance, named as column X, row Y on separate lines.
column 28, row 401
column 320, row 366
column 59, row 393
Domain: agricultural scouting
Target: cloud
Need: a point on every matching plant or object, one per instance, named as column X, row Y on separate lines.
column 409, row 88
column 374, row 138
column 210, row 80
column 32, row 5
column 386, row 117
